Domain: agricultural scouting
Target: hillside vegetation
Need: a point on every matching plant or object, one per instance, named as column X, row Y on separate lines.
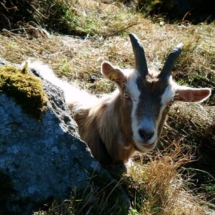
column 75, row 36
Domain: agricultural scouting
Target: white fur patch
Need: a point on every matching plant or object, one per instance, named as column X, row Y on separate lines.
column 169, row 93
column 166, row 98
column 134, row 93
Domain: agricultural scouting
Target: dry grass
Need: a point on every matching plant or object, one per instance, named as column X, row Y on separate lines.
column 191, row 124
column 94, row 199
column 157, row 187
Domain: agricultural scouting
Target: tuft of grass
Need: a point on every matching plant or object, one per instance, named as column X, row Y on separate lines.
column 158, row 187
column 193, row 125
column 99, row 198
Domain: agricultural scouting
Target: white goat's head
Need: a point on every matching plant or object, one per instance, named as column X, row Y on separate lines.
column 146, row 96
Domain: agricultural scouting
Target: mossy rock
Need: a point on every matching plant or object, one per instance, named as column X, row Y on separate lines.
column 25, row 88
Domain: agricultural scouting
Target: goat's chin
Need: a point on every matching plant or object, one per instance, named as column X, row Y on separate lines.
column 145, row 147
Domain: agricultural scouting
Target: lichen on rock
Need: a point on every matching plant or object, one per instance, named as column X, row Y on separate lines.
column 25, row 88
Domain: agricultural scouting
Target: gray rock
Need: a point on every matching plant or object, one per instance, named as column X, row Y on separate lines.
column 44, row 158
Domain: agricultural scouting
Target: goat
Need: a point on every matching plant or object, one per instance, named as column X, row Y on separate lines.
column 130, row 118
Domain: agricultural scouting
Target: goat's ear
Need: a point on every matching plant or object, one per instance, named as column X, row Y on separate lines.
column 188, row 94
column 113, row 74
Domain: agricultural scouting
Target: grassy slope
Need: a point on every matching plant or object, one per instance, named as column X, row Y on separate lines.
column 156, row 184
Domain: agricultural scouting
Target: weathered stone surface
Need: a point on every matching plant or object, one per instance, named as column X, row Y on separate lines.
column 43, row 158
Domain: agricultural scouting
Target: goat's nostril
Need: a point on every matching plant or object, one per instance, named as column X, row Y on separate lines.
column 146, row 134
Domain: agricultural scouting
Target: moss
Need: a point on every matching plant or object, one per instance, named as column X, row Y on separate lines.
column 25, row 88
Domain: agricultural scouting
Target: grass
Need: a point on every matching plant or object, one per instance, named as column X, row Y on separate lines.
column 178, row 177
column 168, row 195
column 92, row 200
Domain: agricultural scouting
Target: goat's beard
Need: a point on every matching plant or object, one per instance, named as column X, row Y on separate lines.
column 145, row 147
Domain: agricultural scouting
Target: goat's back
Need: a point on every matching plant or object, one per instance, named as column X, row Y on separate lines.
column 74, row 96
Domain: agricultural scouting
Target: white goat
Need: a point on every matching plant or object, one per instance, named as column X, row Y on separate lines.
column 131, row 118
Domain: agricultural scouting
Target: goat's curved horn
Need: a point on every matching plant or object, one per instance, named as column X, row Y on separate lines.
column 170, row 61
column 140, row 59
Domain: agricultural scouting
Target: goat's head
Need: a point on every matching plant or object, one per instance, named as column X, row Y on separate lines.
column 146, row 96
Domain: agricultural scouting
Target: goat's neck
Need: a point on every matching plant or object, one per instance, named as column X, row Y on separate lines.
column 99, row 128
column 118, row 145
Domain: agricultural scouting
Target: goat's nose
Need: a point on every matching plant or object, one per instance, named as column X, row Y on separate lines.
column 146, row 134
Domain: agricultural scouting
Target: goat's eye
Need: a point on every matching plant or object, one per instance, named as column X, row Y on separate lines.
column 126, row 95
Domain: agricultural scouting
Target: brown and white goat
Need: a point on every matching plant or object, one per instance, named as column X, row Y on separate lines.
column 131, row 118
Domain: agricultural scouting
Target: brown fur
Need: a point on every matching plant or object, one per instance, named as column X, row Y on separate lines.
column 101, row 128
